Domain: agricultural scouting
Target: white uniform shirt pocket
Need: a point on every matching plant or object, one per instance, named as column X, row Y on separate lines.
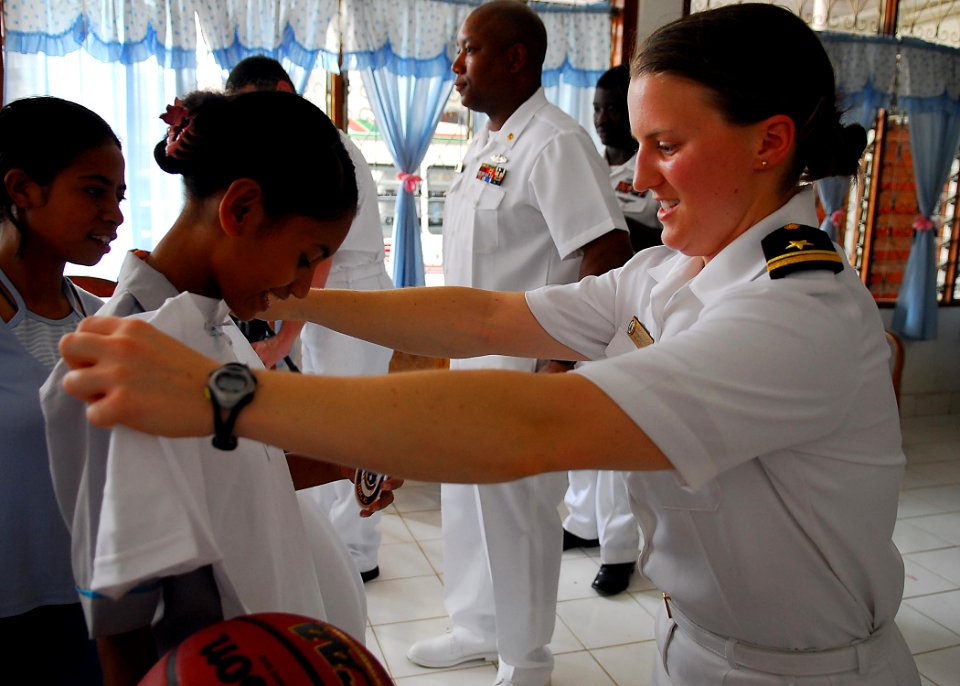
column 486, row 200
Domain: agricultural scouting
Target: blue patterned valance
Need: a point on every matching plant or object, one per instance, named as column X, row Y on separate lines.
column 418, row 37
column 413, row 37
column 905, row 73
column 118, row 31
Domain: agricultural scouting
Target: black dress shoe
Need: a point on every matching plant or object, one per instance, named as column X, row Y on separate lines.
column 613, row 579
column 573, row 541
column 370, row 574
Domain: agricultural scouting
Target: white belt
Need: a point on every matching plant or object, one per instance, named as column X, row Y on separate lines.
column 347, row 273
column 852, row 658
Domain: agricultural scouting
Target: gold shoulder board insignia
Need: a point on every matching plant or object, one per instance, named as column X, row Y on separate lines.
column 796, row 248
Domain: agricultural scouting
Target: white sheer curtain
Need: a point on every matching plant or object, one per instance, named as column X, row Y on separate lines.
column 578, row 52
column 130, row 97
column 127, row 59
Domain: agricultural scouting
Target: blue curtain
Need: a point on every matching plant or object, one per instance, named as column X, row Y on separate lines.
column 578, row 52
column 407, row 109
column 403, row 51
column 929, row 92
column 934, row 135
column 832, row 192
column 862, row 109
column 298, row 34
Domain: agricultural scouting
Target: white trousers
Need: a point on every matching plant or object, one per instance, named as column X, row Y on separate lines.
column 344, row 600
column 683, row 662
column 599, row 507
column 502, row 545
column 328, row 352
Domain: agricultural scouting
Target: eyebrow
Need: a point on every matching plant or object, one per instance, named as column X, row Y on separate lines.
column 102, row 179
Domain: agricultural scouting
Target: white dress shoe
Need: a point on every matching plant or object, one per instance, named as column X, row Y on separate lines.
column 452, row 648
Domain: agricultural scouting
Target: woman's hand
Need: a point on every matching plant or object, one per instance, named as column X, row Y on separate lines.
column 132, row 374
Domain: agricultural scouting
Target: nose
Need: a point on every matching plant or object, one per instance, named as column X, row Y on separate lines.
column 301, row 284
column 645, row 174
column 112, row 213
column 457, row 66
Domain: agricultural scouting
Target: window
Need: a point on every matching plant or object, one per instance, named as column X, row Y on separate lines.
column 437, row 171
column 881, row 206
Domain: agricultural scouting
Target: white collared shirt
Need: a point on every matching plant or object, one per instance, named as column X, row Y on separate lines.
column 773, row 401
column 555, row 197
column 142, row 507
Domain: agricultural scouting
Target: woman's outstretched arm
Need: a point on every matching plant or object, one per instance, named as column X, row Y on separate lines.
column 468, row 426
column 437, row 321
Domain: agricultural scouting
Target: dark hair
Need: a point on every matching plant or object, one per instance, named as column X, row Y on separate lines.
column 259, row 71
column 760, row 60
column 616, row 79
column 282, row 141
column 43, row 136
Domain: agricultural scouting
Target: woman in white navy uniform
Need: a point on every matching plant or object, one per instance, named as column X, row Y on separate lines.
column 741, row 373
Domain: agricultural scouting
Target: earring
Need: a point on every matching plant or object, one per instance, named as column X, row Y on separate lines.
column 763, row 163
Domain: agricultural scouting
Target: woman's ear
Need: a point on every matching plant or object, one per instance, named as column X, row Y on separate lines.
column 241, row 207
column 23, row 191
column 778, row 134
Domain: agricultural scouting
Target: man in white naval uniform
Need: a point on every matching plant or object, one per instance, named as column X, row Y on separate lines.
column 598, row 506
column 532, row 206
column 357, row 265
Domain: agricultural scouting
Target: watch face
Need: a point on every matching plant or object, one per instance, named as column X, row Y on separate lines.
column 231, row 383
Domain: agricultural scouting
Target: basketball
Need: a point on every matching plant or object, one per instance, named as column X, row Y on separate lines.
column 268, row 649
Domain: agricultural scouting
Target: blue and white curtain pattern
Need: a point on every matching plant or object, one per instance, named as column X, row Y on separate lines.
column 126, row 59
column 922, row 80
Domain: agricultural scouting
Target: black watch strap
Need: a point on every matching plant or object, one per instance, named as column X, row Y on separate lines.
column 230, row 388
column 223, row 436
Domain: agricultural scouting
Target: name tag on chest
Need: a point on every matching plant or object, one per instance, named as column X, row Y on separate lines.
column 638, row 333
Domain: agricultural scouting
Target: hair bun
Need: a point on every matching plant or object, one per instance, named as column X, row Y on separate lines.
column 855, row 141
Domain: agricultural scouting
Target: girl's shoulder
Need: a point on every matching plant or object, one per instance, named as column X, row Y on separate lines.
column 89, row 302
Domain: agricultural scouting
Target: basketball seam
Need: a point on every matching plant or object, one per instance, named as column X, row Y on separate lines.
column 172, row 679
column 315, row 676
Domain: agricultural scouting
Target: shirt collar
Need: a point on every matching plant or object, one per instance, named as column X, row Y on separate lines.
column 626, row 166
column 149, row 287
column 743, row 260
column 518, row 121
column 152, row 289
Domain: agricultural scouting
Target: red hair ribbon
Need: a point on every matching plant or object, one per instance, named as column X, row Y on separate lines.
column 179, row 135
column 923, row 223
column 409, row 181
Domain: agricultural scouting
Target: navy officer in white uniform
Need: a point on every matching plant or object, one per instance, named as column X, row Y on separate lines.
column 740, row 373
column 531, row 206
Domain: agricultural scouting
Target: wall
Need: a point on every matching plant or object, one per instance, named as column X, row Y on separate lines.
column 651, row 14
column 931, row 369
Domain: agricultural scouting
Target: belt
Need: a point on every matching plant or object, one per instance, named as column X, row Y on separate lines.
column 852, row 658
column 347, row 273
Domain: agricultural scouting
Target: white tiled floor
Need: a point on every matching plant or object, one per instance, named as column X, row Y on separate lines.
column 609, row 641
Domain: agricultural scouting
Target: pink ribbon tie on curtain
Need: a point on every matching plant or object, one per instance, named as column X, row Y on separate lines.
column 837, row 217
column 409, row 181
column 923, row 223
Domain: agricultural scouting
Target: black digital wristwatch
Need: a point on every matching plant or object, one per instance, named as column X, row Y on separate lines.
column 230, row 389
